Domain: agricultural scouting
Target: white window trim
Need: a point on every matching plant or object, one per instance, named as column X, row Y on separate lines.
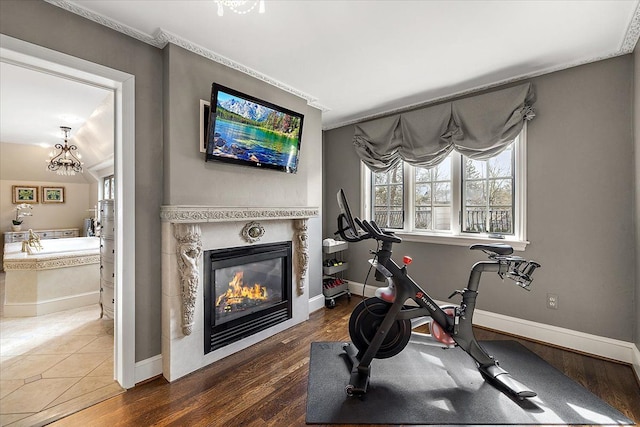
column 456, row 237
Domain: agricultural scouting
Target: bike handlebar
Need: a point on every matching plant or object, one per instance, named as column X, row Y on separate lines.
column 375, row 232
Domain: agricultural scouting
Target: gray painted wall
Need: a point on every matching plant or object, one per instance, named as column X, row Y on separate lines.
column 189, row 180
column 580, row 208
column 180, row 175
column 49, row 26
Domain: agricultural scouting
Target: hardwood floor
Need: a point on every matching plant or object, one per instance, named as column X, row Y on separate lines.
column 266, row 385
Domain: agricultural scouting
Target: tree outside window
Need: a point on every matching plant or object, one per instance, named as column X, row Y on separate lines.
column 458, row 196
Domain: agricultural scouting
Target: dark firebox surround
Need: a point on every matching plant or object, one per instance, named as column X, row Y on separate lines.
column 218, row 336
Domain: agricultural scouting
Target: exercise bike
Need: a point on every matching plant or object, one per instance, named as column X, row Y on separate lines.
column 381, row 327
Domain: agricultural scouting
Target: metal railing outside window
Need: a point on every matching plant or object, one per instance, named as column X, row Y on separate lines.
column 459, row 197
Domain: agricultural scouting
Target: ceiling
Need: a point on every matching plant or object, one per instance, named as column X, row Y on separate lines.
column 351, row 59
column 357, row 59
column 35, row 104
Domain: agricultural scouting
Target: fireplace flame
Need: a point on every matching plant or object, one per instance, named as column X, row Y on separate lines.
column 238, row 293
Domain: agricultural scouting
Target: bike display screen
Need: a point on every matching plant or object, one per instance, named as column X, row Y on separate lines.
column 347, row 225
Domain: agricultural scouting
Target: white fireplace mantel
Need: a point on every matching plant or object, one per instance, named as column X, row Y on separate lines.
column 187, row 232
column 201, row 214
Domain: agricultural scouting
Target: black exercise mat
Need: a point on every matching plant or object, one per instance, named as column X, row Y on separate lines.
column 430, row 385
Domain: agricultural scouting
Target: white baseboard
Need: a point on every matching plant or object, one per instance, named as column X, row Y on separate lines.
column 148, row 368
column 364, row 290
column 636, row 362
column 316, row 303
column 621, row 351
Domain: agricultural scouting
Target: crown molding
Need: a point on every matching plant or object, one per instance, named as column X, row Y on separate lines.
column 632, row 34
column 461, row 93
column 626, row 47
column 107, row 22
column 161, row 37
column 168, row 37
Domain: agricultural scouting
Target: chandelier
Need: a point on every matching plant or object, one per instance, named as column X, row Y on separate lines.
column 65, row 162
column 240, row 7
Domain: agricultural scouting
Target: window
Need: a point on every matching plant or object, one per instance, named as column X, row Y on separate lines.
column 432, row 197
column 459, row 201
column 109, row 187
column 487, row 188
column 388, row 197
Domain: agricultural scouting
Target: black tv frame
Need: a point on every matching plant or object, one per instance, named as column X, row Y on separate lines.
column 215, row 88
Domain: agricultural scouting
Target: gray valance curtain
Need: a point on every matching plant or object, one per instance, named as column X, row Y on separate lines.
column 478, row 127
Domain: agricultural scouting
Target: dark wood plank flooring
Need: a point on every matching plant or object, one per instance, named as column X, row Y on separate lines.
column 266, row 385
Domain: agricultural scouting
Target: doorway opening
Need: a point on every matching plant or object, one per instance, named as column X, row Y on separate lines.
column 122, row 84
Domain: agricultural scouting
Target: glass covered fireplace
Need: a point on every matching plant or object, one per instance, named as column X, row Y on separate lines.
column 246, row 290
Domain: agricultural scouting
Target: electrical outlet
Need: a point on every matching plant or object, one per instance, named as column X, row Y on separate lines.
column 552, row 301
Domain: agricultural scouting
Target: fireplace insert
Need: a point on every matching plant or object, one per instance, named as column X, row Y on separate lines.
column 246, row 290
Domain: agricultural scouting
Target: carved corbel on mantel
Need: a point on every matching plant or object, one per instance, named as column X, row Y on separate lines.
column 300, row 225
column 188, row 251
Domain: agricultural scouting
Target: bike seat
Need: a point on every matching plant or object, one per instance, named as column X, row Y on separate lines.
column 496, row 248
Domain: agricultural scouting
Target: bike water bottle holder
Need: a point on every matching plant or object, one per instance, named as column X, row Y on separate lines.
column 514, row 267
column 519, row 270
column 381, row 268
column 387, row 293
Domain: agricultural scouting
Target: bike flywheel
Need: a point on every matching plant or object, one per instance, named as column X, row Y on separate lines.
column 364, row 322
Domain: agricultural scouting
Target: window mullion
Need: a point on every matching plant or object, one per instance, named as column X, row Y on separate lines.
column 487, row 206
column 366, row 202
column 409, row 197
column 388, row 202
column 520, row 187
column 456, row 194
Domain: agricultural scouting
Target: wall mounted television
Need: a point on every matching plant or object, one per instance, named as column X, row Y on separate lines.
column 249, row 131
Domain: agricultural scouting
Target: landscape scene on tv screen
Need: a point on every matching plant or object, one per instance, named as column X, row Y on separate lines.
column 249, row 131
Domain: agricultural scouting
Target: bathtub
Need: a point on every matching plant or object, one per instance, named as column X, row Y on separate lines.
column 64, row 274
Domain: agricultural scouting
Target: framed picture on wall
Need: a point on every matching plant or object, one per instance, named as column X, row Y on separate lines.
column 205, row 109
column 52, row 194
column 24, row 194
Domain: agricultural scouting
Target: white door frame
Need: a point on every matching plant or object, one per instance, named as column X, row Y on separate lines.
column 36, row 57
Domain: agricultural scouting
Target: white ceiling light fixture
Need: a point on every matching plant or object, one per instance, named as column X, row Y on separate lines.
column 67, row 160
column 241, row 7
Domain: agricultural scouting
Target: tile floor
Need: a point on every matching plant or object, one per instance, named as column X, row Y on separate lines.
column 54, row 365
